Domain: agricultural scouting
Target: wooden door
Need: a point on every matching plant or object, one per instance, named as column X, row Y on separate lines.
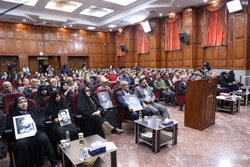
column 54, row 61
column 33, row 64
column 4, row 60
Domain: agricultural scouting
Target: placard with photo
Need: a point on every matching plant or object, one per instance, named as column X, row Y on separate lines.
column 64, row 117
column 104, row 99
column 133, row 101
column 24, row 126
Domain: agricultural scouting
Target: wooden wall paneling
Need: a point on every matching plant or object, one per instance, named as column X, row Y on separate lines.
column 33, row 64
column 11, row 46
column 3, row 45
column 54, row 61
column 2, row 31
column 19, row 46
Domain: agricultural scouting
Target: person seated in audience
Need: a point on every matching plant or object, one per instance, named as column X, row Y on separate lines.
column 43, row 80
column 112, row 76
column 72, row 84
column 66, row 91
column 99, row 80
column 161, row 86
column 198, row 77
column 5, row 76
column 58, row 80
column 57, row 131
column 132, row 78
column 169, row 82
column 206, row 66
column 145, row 94
column 195, row 73
column 232, row 80
column 190, row 76
column 7, row 88
column 149, row 80
column 92, row 115
column 182, row 85
column 104, row 84
column 32, row 88
column 137, row 78
column 54, row 85
column 25, row 85
column 40, row 95
column 19, row 82
column 125, row 77
column 176, row 77
column 117, row 85
column 130, row 113
column 88, row 83
column 29, row 152
column 74, row 77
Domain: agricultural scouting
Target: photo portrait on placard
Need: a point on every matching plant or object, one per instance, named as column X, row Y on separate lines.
column 104, row 99
column 64, row 117
column 24, row 126
column 133, row 101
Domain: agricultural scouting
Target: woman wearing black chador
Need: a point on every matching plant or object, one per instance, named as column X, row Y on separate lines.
column 56, row 108
column 40, row 95
column 92, row 115
column 29, row 151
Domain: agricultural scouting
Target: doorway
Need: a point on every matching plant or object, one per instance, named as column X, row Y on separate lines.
column 44, row 61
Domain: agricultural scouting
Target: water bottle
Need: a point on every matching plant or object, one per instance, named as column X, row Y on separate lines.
column 81, row 153
column 140, row 116
column 67, row 139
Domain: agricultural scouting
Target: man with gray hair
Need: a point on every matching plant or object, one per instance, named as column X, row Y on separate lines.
column 54, row 85
column 7, row 86
column 182, row 84
column 25, row 85
column 32, row 88
column 72, row 84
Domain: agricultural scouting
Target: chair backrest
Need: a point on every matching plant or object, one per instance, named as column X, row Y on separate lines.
column 33, row 94
column 104, row 90
column 176, row 85
column 32, row 102
column 74, row 99
column 46, row 101
column 112, row 84
column 115, row 93
column 9, row 99
column 96, row 86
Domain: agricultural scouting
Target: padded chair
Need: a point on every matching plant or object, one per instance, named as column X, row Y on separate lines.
column 121, row 109
column 112, row 84
column 180, row 98
column 33, row 94
column 96, row 86
column 74, row 99
column 157, row 93
column 112, row 114
column 9, row 99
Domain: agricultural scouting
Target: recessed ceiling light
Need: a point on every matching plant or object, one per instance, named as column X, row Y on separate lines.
column 112, row 26
column 24, row 20
column 214, row 1
column 160, row 14
column 64, row 26
column 96, row 12
column 110, row 30
column 68, row 6
column 178, row 6
column 29, row 3
column 121, row 2
column 205, row 0
column 91, row 28
column 70, row 25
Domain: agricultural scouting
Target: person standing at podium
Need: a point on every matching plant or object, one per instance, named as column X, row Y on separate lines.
column 182, row 84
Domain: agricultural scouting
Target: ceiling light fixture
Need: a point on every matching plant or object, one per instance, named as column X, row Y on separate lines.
column 67, row 6
column 24, row 20
column 29, row 3
column 160, row 14
column 121, row 2
column 70, row 25
column 91, row 28
column 171, row 14
column 178, row 6
column 96, row 11
column 64, row 26
column 110, row 30
column 112, row 26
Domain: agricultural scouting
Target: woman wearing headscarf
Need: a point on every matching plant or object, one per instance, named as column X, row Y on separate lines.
column 56, row 108
column 40, row 95
column 66, row 91
column 206, row 67
column 29, row 151
column 232, row 80
column 92, row 112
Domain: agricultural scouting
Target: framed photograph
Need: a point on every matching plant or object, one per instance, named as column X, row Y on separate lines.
column 64, row 117
column 133, row 101
column 24, row 126
column 104, row 99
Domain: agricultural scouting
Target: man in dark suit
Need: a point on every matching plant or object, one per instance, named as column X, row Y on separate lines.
column 145, row 94
column 130, row 114
column 182, row 84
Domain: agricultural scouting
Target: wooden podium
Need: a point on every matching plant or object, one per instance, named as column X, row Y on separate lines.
column 200, row 103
